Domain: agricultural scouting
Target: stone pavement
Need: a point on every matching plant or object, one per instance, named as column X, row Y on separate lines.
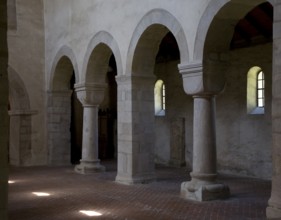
column 71, row 192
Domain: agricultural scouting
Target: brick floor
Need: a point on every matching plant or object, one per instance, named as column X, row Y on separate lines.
column 71, row 192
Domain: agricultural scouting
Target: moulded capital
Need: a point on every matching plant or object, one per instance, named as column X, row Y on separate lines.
column 207, row 79
column 192, row 75
column 90, row 94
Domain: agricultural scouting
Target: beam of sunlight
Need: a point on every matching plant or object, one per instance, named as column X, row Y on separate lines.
column 90, row 213
column 11, row 181
column 41, row 194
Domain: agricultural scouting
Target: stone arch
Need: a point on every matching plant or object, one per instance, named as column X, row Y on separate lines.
column 20, row 146
column 147, row 37
column 59, row 106
column 63, row 66
column 96, row 60
column 231, row 9
column 211, row 50
column 137, row 85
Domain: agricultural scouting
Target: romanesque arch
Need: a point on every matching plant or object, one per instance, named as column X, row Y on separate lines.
column 147, row 37
column 20, row 147
column 96, row 60
column 221, row 71
column 64, row 66
column 211, row 48
column 205, row 78
column 221, row 8
column 91, row 91
column 136, row 122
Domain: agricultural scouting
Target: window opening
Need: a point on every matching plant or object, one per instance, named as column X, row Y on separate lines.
column 160, row 98
column 163, row 97
column 255, row 91
column 260, row 90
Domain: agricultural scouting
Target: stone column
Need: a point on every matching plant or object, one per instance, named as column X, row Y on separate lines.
column 203, row 185
column 90, row 95
column 274, row 205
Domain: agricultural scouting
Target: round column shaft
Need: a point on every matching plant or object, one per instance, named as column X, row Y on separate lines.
column 90, row 95
column 204, row 148
column 90, row 134
column 203, row 185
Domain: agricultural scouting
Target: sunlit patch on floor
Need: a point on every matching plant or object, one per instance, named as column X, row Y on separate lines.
column 41, row 194
column 90, row 213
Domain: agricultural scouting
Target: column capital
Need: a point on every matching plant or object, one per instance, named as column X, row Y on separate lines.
column 192, row 75
column 90, row 94
column 203, row 79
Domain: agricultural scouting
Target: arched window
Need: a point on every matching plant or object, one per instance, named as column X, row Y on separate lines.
column 160, row 98
column 260, row 90
column 255, row 91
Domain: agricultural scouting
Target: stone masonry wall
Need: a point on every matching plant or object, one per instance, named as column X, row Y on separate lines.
column 59, row 113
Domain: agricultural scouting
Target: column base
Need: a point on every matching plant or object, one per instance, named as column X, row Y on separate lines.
column 129, row 180
column 273, row 211
column 89, row 167
column 204, row 192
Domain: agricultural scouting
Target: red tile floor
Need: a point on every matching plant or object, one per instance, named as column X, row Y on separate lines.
column 70, row 193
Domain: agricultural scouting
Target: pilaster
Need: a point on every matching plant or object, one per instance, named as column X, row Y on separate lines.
column 135, row 129
column 59, row 117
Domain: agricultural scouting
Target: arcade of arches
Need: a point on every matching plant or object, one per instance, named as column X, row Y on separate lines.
column 82, row 78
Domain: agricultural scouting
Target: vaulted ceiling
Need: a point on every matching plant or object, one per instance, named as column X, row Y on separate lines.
column 255, row 28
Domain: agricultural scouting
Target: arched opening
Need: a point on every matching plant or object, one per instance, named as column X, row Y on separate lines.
column 98, row 94
column 255, row 91
column 173, row 109
column 20, row 144
column 64, row 116
column 243, row 140
column 137, row 137
column 159, row 98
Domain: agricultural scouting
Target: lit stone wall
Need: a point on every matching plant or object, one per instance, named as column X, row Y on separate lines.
column 3, row 112
column 178, row 106
column 244, row 140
